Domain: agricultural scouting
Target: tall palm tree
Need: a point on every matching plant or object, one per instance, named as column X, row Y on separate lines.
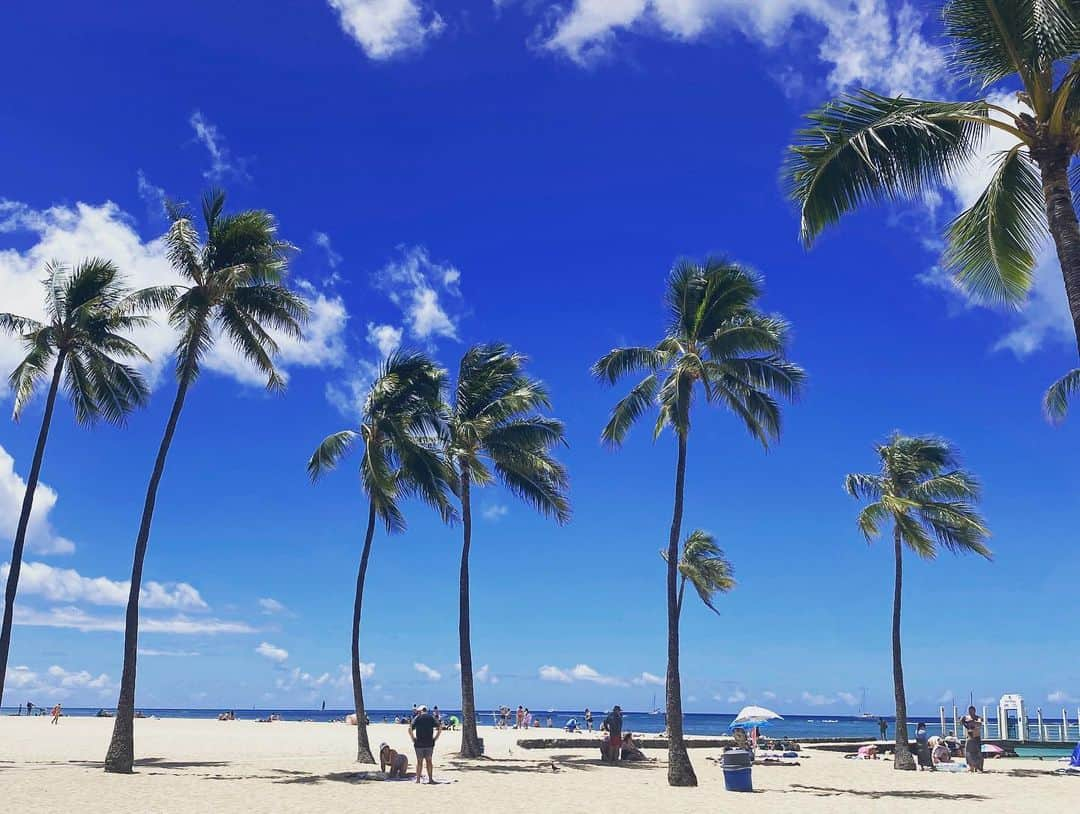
column 717, row 339
column 234, row 285
column 88, row 309
column 497, row 431
column 866, row 147
column 705, row 567
column 400, row 428
column 930, row 502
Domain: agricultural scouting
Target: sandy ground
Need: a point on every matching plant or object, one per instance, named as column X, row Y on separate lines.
column 239, row 766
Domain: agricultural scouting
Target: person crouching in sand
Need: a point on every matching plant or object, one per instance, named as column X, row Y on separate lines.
column 394, row 764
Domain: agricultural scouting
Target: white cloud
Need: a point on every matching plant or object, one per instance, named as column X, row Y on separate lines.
column 420, row 287
column 68, row 585
column 580, row 672
column 768, row 695
column 863, row 42
column 271, row 606
column 71, row 233
column 387, row 28
column 647, row 678
column 495, row 511
column 737, row 696
column 429, row 297
column 78, row 619
column 1061, row 697
column 322, row 240
column 484, row 675
column 153, row 196
column 56, row 682
column 550, row 673
column 946, row 697
column 848, row 698
column 147, row 651
column 817, row 700
column 431, row 673
column 272, row 652
column 223, row 166
column 41, row 537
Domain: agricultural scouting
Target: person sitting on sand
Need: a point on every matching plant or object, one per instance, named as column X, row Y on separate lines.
column 941, row 753
column 630, row 750
column 394, row 764
column 741, row 741
column 571, row 725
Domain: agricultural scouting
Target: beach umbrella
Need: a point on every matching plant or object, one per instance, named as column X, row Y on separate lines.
column 992, row 749
column 755, row 716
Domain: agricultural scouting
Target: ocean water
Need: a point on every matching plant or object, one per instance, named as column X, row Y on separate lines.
column 793, row 726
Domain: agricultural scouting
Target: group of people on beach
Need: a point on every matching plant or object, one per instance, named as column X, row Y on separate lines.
column 934, row 750
column 505, row 718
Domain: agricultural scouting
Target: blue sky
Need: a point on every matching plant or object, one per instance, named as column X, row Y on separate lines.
column 455, row 173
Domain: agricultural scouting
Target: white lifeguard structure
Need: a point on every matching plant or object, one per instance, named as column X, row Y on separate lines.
column 1012, row 702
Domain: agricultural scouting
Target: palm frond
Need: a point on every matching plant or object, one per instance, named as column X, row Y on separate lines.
column 330, row 452
column 80, row 389
column 253, row 343
column 991, row 247
column 33, row 368
column 866, row 147
column 629, row 409
column 705, row 567
column 14, row 324
column 1056, row 399
column 619, row 362
column 118, row 388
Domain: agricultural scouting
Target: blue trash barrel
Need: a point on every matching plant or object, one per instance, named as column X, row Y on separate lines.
column 736, row 764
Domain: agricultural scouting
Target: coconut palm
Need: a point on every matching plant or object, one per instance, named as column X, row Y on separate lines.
column 930, row 501
column 88, row 309
column 705, row 567
column 497, row 431
column 718, row 340
column 233, row 286
column 400, row 426
column 867, row 147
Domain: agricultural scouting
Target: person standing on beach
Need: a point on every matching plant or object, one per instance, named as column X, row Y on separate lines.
column 973, row 745
column 56, row 714
column 588, row 719
column 29, row 708
column 424, row 731
column 883, row 728
column 613, row 725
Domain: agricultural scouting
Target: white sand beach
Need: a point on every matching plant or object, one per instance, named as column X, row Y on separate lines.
column 241, row 766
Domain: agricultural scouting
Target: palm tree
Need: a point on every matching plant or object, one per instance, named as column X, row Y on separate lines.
column 234, row 285
column 88, row 309
column 399, row 428
column 716, row 338
column 497, row 431
column 866, row 147
column 705, row 567
column 930, row 502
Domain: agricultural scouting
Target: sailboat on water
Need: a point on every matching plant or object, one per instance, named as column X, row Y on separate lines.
column 862, row 706
column 655, row 709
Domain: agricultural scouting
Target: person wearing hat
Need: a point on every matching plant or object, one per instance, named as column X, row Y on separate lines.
column 393, row 763
column 424, row 731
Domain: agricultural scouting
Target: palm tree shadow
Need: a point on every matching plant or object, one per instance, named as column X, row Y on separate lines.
column 904, row 794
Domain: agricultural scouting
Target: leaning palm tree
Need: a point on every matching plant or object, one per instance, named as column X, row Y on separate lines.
column 705, row 567
column 497, row 431
column 716, row 339
column 234, row 285
column 930, row 502
column 88, row 311
column 400, row 429
column 866, row 147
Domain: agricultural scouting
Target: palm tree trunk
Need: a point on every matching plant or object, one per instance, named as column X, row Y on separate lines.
column 903, row 759
column 363, row 748
column 470, row 740
column 121, row 754
column 24, row 521
column 680, row 771
column 1061, row 217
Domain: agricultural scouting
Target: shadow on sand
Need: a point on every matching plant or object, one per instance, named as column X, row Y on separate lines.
column 900, row 794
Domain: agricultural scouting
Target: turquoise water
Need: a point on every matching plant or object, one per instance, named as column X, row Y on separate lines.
column 793, row 726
